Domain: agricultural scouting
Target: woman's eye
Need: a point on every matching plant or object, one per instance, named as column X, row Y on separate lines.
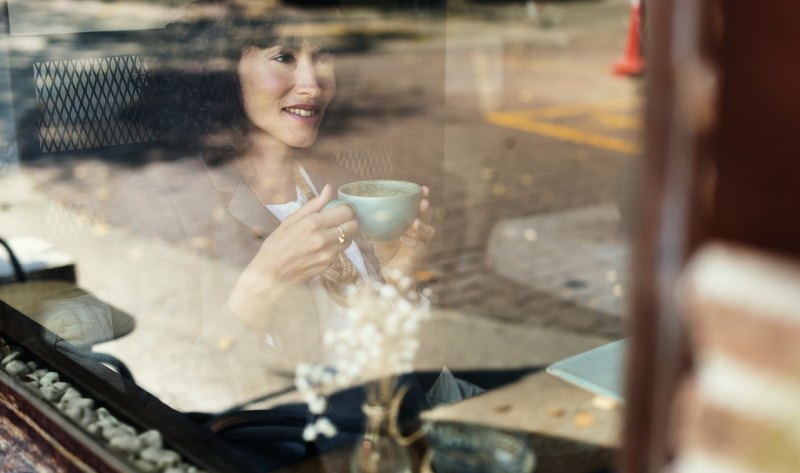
column 285, row 58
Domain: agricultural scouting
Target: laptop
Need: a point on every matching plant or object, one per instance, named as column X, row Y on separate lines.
column 600, row 370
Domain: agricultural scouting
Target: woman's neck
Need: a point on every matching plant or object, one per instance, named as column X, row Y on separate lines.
column 269, row 170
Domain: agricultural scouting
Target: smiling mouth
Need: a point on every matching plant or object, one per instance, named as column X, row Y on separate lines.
column 300, row 112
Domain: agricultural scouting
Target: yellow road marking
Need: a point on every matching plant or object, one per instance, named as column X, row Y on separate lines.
column 625, row 122
column 522, row 122
column 561, row 111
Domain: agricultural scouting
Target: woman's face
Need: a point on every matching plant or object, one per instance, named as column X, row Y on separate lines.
column 286, row 89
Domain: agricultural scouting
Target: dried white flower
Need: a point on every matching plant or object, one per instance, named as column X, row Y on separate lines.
column 325, row 427
column 404, row 306
column 317, row 405
column 387, row 292
column 310, row 433
column 301, row 384
column 380, row 340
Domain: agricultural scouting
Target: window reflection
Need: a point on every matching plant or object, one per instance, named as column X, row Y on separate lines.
column 137, row 144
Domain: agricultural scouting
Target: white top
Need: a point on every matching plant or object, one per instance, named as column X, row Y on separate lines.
column 331, row 314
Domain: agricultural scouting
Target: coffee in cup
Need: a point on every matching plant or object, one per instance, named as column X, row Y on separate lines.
column 384, row 208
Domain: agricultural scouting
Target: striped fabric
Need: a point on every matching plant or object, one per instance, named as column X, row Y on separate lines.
column 739, row 409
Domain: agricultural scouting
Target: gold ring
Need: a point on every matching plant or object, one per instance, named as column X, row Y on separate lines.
column 342, row 234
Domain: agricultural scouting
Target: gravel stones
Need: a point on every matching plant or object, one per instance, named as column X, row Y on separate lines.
column 143, row 450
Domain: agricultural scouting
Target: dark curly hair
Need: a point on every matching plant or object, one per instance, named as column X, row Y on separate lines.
column 194, row 94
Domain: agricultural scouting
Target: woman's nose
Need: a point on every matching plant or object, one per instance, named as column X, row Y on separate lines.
column 308, row 78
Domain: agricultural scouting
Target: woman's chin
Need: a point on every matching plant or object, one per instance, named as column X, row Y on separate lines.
column 302, row 143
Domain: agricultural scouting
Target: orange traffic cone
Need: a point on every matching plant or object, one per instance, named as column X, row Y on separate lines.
column 633, row 63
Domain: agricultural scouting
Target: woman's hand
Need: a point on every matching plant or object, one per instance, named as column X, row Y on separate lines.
column 302, row 247
column 404, row 254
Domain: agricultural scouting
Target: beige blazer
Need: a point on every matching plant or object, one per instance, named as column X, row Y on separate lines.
column 225, row 223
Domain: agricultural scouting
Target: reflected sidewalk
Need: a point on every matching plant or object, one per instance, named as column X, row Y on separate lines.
column 149, row 278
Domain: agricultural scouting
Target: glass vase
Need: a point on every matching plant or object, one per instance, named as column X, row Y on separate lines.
column 382, row 449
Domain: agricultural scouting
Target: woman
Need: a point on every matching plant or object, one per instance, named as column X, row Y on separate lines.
column 256, row 103
column 250, row 110
column 285, row 90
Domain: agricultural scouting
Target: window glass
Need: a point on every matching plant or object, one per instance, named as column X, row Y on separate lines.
column 170, row 162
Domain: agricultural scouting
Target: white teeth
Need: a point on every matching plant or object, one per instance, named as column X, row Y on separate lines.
column 302, row 113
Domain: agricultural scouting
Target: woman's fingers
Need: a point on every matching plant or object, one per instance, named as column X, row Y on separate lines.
column 311, row 218
column 425, row 208
column 342, row 234
column 420, row 231
column 313, row 206
column 427, row 233
column 425, row 211
column 421, row 227
column 410, row 242
column 306, row 265
column 313, row 264
column 336, row 216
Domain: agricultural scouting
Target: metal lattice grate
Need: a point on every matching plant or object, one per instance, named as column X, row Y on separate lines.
column 90, row 103
column 369, row 163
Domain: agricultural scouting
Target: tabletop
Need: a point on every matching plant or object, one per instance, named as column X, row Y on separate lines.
column 570, row 430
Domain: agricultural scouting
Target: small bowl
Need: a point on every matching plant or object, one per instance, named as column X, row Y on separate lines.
column 469, row 448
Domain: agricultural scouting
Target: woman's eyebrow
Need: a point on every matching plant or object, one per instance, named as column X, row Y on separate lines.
column 295, row 44
column 289, row 42
column 275, row 42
